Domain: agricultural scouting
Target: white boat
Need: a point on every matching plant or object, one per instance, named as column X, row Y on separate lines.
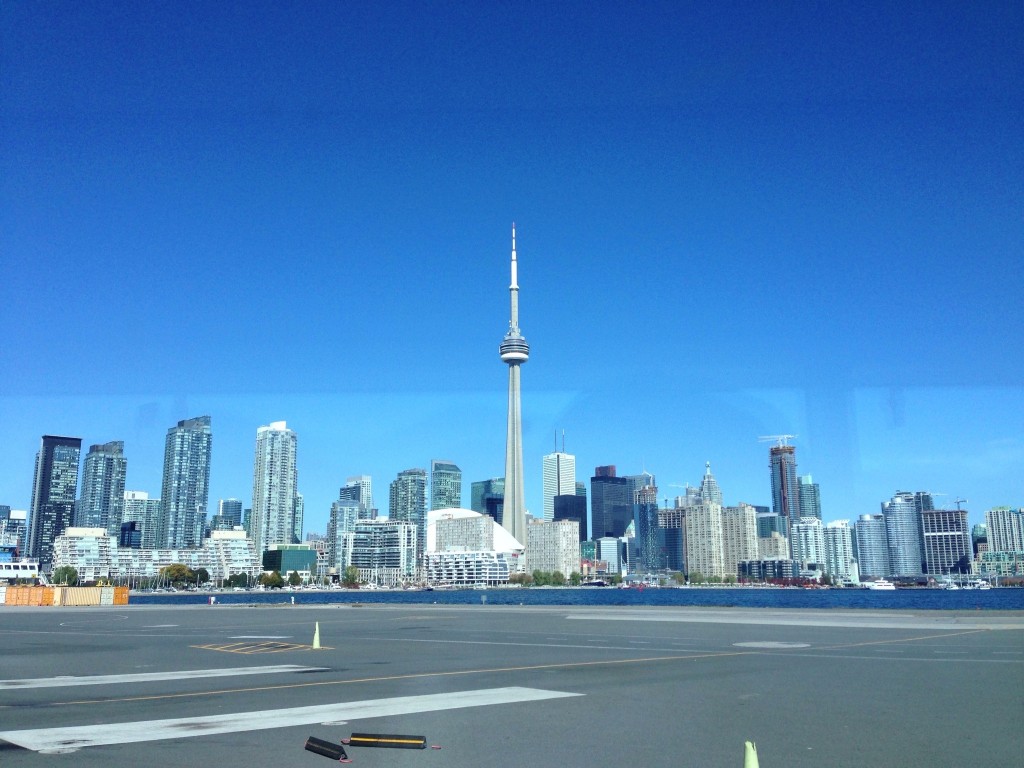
column 881, row 584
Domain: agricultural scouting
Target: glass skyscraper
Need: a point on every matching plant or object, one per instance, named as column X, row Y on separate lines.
column 185, row 492
column 809, row 497
column 274, row 491
column 54, row 487
column 559, row 479
column 785, row 491
column 407, row 502
column 445, row 485
column 101, row 504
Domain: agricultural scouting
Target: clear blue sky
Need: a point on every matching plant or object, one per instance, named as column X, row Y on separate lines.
column 734, row 219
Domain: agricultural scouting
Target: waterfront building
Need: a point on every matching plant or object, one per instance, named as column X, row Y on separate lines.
column 840, row 562
column 785, row 490
column 809, row 497
column 185, row 491
column 672, row 521
column 553, row 546
column 872, row 546
column 514, row 352
column 739, row 536
column 144, row 512
column 130, row 535
column 286, row 558
column 808, row 542
column 946, row 541
column 454, row 533
column 1004, row 528
column 611, row 505
column 445, row 485
column 345, row 513
column 1002, row 563
column 54, row 488
column 903, row 531
column 407, row 502
column 359, row 488
column 769, row 523
column 610, row 550
column 649, row 538
column 704, row 540
column 979, row 538
column 573, row 507
column 766, row 570
column 14, row 527
column 274, row 487
column 559, row 479
column 488, row 497
column 384, row 551
column 469, row 568
column 101, row 503
column 773, row 547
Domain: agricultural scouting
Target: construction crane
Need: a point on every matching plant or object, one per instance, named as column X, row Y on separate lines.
column 782, row 440
column 958, row 501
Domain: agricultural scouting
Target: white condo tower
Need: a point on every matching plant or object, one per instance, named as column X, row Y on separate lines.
column 514, row 351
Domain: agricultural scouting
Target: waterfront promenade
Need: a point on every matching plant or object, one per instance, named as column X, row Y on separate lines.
column 534, row 686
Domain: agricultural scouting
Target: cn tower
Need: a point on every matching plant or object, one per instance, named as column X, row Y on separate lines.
column 514, row 351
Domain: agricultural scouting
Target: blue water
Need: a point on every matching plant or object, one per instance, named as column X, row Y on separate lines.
column 902, row 599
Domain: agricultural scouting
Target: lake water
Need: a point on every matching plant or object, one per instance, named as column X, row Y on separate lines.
column 1008, row 599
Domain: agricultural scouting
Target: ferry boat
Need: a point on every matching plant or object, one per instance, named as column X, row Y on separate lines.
column 24, row 569
column 881, row 584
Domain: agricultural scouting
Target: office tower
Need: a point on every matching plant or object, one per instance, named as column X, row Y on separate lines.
column 872, row 546
column 144, row 512
column 54, row 487
column 559, row 479
column 102, row 500
column 903, row 530
column 710, row 493
column 703, row 538
column 946, row 539
column 230, row 511
column 488, row 498
column 407, row 502
column 785, row 491
column 514, row 352
column 808, row 542
column 649, row 538
column 839, row 560
column 1005, row 529
column 611, row 503
column 445, row 485
column 274, row 486
column 739, row 536
column 185, row 492
column 359, row 488
column 809, row 497
column 345, row 513
column 573, row 507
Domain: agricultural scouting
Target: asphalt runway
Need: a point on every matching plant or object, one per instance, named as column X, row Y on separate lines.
column 531, row 686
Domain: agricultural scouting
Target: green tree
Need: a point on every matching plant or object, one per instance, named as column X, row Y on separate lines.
column 558, row 579
column 64, row 574
column 294, row 579
column 178, row 574
column 730, row 579
column 679, row 577
column 351, row 577
column 696, row 577
column 575, row 578
column 202, row 575
column 272, row 580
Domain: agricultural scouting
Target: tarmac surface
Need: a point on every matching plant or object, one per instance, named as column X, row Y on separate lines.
column 532, row 686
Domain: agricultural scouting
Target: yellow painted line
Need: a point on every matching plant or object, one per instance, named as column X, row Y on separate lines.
column 902, row 640
column 388, row 678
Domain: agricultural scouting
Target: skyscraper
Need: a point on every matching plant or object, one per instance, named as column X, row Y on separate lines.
column 903, row 531
column 185, row 491
column 488, row 497
column 145, row 513
column 445, row 485
column 611, row 505
column 1005, row 529
column 946, row 541
column 359, row 488
column 709, row 490
column 101, row 504
column 407, row 502
column 839, row 559
column 230, row 510
column 274, row 486
column 514, row 352
column 785, row 491
column 559, row 479
column 54, row 487
column 872, row 546
column 809, row 497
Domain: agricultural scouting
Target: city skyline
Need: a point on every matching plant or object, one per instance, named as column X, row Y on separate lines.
column 806, row 223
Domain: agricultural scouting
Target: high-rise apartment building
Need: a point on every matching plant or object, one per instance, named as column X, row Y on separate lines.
column 703, row 541
column 14, row 527
column 559, row 479
column 946, row 540
column 407, row 502
column 488, row 498
column 648, row 536
column 185, row 492
column 611, row 503
column 344, row 516
column 553, row 547
column 808, row 542
column 102, row 499
column 872, row 546
column 739, row 536
column 809, row 497
column 138, row 508
column 445, row 485
column 274, row 486
column 903, row 531
column 785, row 490
column 1005, row 529
column 359, row 488
column 839, row 560
column 230, row 512
column 514, row 352
column 54, row 487
column 384, row 551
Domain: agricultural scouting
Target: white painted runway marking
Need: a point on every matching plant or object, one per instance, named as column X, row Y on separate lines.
column 771, row 644
column 159, row 626
column 76, row 737
column 144, row 677
column 259, row 637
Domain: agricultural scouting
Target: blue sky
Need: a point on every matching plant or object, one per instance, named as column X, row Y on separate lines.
column 734, row 219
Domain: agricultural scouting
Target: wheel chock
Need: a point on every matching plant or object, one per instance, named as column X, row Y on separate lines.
column 327, row 749
column 387, row 740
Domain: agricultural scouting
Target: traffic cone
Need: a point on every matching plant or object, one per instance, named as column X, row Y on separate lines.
column 316, row 647
column 750, row 755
